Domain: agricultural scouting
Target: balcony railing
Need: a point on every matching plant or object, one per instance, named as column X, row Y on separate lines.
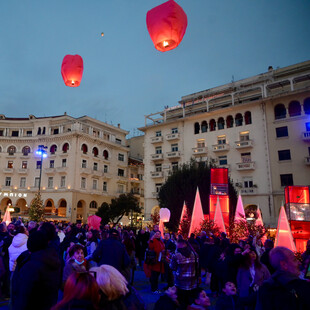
column 306, row 135
column 200, row 150
column 8, row 170
column 249, row 191
column 173, row 136
column 220, row 147
column 157, row 157
column 243, row 144
column 157, row 139
column 156, row 174
column 246, row 166
column 307, row 160
column 175, row 154
column 23, row 171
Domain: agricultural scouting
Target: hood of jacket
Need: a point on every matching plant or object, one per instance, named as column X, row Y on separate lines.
column 185, row 251
column 19, row 240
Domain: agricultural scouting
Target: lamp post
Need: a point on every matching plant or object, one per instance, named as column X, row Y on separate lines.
column 41, row 152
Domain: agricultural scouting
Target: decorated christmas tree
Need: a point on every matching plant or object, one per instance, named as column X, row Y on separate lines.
column 36, row 210
column 155, row 217
column 185, row 223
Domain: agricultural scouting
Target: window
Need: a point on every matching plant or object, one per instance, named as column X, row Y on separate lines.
column 196, row 128
column 84, row 148
column 158, row 150
column 10, row 164
column 239, row 119
column 65, row 148
column 11, row 150
column 93, row 205
column 174, row 130
column 8, row 181
column 36, row 182
column 221, row 140
column 24, row 165
column 53, row 149
column 95, row 152
column 95, row 167
column 43, row 132
column 39, row 130
column 158, row 186
column 105, row 186
column 158, row 168
column 222, row 160
column 212, row 125
column 29, row 133
column 174, row 166
column 15, row 133
column 38, row 164
column 22, row 182
column 63, row 181
column 246, row 157
column 64, row 162
column 200, row 143
column 279, row 111
column 286, row 179
column 105, row 168
column 294, row 108
column 106, row 154
column 307, row 105
column 84, row 163
column 50, row 182
column 121, row 157
column 247, row 182
column 282, row 132
column 221, row 123
column 284, row 155
column 118, row 141
column 83, row 182
column 204, row 126
column 56, row 131
column 248, row 118
column 26, row 150
column 308, row 126
column 244, row 136
column 174, row 147
column 1, row 133
column 158, row 133
column 120, row 188
column 121, row 172
column 140, row 176
column 95, row 184
column 52, row 163
column 229, row 121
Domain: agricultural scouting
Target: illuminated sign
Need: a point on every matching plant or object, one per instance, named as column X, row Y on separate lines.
column 10, row 194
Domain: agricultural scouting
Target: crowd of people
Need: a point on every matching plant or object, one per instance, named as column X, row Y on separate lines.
column 72, row 266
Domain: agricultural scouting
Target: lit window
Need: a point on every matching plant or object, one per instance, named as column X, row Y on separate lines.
column 24, row 165
column 10, row 164
column 221, row 140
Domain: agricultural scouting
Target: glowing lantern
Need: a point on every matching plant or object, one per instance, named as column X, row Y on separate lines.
column 72, row 70
column 166, row 24
column 164, row 214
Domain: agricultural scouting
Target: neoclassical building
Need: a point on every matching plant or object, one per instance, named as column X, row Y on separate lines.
column 258, row 127
column 86, row 164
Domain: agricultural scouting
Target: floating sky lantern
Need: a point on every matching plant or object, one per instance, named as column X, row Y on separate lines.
column 164, row 214
column 166, row 24
column 72, row 70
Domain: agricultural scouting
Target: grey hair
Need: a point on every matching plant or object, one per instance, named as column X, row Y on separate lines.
column 279, row 254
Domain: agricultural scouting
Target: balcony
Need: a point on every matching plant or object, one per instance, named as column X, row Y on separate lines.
column 157, row 139
column 97, row 173
column 8, row 170
column 307, row 160
column 61, row 169
column 200, row 150
column 22, row 171
column 220, row 147
column 249, row 191
column 49, row 170
column 243, row 144
column 175, row 154
column 306, row 135
column 246, row 166
column 155, row 157
column 173, row 136
column 86, row 171
column 157, row 174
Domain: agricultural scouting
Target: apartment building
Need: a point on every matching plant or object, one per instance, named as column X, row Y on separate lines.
column 258, row 127
column 86, row 164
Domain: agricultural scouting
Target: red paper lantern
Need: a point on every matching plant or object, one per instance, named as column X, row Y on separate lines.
column 166, row 24
column 72, row 70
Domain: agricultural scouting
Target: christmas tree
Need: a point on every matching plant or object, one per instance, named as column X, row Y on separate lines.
column 36, row 210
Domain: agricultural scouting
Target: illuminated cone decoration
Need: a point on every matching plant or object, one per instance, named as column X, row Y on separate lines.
column 284, row 235
column 184, row 212
column 218, row 217
column 7, row 216
column 197, row 215
column 72, row 70
column 239, row 215
column 166, row 24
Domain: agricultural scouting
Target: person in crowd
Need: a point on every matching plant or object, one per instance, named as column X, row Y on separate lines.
column 251, row 275
column 170, row 247
column 228, row 300
column 92, row 239
column 75, row 263
column 5, row 241
column 168, row 301
column 269, row 245
column 154, row 231
column 201, row 301
column 284, row 290
column 214, row 254
column 60, row 233
column 36, row 279
column 185, row 263
column 115, row 292
column 112, row 252
column 130, row 247
column 156, row 245
column 305, row 259
column 141, row 246
column 80, row 232
column 194, row 243
column 32, row 226
column 81, row 292
column 18, row 246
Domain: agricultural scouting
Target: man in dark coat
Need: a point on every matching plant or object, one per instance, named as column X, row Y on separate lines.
column 112, row 252
column 36, row 279
column 284, row 290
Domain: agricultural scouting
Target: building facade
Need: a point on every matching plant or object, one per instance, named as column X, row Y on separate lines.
column 258, row 127
column 86, row 164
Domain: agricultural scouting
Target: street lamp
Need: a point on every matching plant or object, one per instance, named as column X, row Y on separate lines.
column 41, row 152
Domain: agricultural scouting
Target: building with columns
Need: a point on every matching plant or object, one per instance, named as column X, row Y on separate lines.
column 258, row 127
column 86, row 164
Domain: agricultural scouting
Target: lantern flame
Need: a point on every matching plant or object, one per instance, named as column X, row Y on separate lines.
column 72, row 83
column 165, row 43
